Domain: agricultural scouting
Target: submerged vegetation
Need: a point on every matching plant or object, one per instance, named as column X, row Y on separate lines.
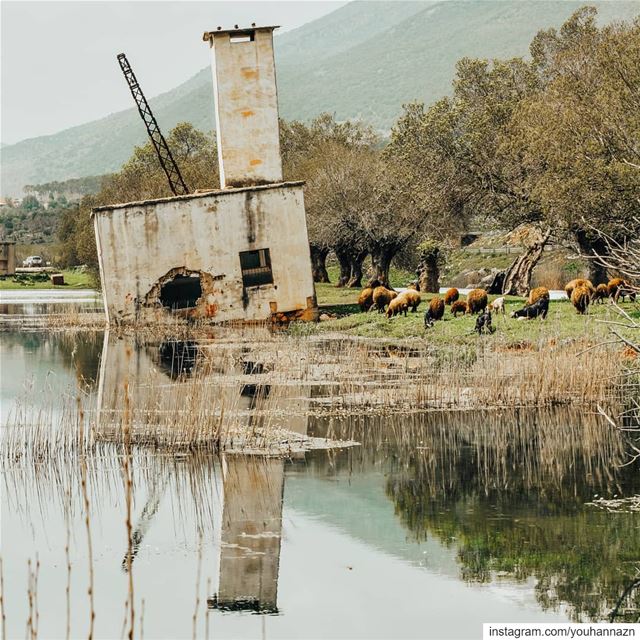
column 227, row 391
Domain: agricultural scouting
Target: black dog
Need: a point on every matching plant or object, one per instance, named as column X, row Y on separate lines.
column 483, row 323
column 537, row 310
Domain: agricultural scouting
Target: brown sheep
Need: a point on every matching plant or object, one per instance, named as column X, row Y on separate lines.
column 434, row 312
column 578, row 282
column 451, row 296
column 459, row 306
column 382, row 297
column 580, row 298
column 366, row 299
column 436, row 306
column 397, row 306
column 477, row 300
column 613, row 286
column 412, row 298
column 601, row 294
column 618, row 287
column 536, row 294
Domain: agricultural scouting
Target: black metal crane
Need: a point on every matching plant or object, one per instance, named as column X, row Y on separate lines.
column 169, row 166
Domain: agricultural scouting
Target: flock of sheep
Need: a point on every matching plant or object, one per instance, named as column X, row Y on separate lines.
column 580, row 291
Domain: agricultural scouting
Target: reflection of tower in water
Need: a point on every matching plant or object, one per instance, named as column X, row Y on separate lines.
column 168, row 382
column 251, row 534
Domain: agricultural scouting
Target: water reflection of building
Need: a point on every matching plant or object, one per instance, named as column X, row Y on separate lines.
column 251, row 534
column 168, row 385
column 146, row 384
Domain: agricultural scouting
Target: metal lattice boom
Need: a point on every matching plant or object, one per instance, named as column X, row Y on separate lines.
column 167, row 162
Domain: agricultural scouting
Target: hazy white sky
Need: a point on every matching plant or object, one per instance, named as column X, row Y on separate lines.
column 59, row 66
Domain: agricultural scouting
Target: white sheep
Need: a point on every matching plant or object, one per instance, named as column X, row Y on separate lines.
column 497, row 305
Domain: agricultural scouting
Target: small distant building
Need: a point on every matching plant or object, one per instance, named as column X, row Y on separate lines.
column 7, row 257
column 237, row 253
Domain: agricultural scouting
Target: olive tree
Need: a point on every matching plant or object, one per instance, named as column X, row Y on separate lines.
column 578, row 136
column 311, row 152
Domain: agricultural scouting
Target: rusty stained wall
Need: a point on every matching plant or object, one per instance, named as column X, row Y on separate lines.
column 143, row 245
column 246, row 109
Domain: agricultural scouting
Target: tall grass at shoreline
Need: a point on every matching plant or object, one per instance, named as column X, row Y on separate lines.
column 256, row 394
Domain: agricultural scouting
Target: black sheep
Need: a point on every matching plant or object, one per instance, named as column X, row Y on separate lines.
column 428, row 320
column 537, row 310
column 483, row 323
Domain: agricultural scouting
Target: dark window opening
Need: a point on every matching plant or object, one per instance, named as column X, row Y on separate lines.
column 178, row 358
column 255, row 392
column 256, row 268
column 181, row 293
column 242, row 37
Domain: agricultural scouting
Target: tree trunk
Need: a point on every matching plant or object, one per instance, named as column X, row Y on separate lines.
column 590, row 247
column 355, row 278
column 318, row 263
column 517, row 279
column 381, row 258
column 344, row 261
column 428, row 273
column 497, row 283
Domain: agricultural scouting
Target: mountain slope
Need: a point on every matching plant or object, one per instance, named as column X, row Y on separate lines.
column 363, row 60
column 415, row 59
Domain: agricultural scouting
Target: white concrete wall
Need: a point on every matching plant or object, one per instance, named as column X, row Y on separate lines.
column 139, row 243
column 246, row 109
column 251, row 532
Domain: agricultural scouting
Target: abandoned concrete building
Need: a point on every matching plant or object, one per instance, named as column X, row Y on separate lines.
column 7, row 258
column 240, row 252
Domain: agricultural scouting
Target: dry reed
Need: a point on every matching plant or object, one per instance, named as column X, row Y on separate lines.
column 197, row 601
column 2, row 605
column 68, row 562
column 32, row 596
column 258, row 396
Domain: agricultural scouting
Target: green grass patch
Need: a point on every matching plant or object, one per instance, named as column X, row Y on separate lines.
column 74, row 279
column 562, row 323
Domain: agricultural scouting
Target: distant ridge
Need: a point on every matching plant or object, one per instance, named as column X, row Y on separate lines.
column 363, row 60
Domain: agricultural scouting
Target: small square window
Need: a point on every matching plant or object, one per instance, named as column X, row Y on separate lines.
column 246, row 36
column 256, row 268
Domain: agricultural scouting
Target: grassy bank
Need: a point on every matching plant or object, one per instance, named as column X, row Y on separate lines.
column 73, row 280
column 562, row 324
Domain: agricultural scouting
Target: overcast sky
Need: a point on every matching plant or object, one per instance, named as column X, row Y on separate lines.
column 59, row 66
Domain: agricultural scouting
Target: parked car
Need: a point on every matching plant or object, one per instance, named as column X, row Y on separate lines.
column 33, row 261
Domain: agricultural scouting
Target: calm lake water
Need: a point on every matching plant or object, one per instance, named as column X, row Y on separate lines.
column 436, row 523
